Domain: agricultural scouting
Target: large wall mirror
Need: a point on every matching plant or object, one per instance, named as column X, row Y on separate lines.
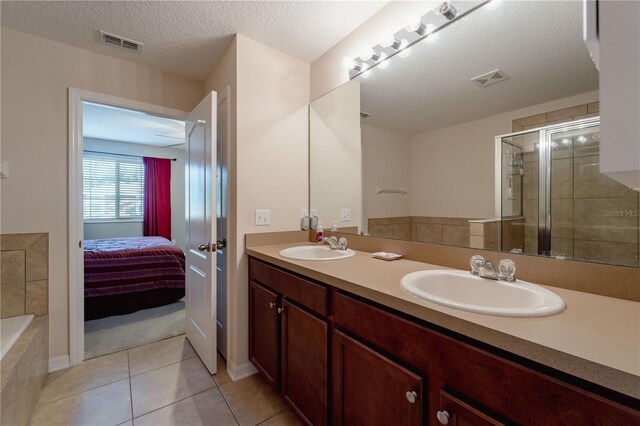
column 485, row 135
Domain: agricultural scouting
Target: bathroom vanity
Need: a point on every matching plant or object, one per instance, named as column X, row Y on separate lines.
column 345, row 352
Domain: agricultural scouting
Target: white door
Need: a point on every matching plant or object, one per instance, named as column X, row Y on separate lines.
column 222, row 215
column 201, row 230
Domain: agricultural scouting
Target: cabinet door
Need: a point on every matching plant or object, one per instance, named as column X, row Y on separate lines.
column 264, row 331
column 370, row 389
column 305, row 341
column 455, row 412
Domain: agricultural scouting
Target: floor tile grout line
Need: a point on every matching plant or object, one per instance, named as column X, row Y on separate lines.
column 229, row 406
column 83, row 391
column 166, row 365
column 276, row 414
column 130, row 389
column 174, row 402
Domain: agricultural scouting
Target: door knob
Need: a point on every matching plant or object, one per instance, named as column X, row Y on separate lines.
column 411, row 396
column 443, row 417
column 221, row 244
column 204, row 247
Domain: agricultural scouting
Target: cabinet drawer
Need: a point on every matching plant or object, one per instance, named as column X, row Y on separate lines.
column 407, row 340
column 309, row 294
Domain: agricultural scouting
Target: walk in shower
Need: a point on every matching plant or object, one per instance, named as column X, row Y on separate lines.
column 555, row 202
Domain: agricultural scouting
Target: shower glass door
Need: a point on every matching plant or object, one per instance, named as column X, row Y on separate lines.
column 555, row 202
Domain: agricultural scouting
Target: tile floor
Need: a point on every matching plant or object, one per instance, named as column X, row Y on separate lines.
column 162, row 383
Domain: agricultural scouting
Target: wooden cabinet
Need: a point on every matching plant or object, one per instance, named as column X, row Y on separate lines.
column 390, row 369
column 264, row 328
column 455, row 412
column 370, row 389
column 305, row 355
column 289, row 338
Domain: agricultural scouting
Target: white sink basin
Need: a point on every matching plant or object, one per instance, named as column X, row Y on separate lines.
column 316, row 253
column 461, row 290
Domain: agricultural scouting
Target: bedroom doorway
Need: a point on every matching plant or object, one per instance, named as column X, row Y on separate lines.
column 133, row 202
column 158, row 314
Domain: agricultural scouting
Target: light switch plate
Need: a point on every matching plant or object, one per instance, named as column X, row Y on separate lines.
column 263, row 217
column 345, row 215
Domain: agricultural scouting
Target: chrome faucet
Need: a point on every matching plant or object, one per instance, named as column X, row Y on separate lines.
column 486, row 269
column 335, row 244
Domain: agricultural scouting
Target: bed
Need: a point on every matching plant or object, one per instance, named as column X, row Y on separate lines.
column 124, row 275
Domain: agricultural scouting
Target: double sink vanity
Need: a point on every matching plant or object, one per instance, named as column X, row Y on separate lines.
column 357, row 340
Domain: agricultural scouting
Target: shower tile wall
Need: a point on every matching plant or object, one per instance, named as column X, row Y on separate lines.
column 24, row 280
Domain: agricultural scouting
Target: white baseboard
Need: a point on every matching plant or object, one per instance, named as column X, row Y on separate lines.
column 58, row 363
column 238, row 372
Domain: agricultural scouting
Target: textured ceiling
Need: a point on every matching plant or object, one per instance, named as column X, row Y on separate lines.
column 124, row 125
column 189, row 37
column 538, row 44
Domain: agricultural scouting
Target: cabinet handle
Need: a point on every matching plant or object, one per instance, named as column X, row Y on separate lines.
column 411, row 396
column 443, row 417
column 272, row 305
column 280, row 310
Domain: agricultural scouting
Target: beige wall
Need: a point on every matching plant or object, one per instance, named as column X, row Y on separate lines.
column 36, row 74
column 327, row 71
column 452, row 169
column 335, row 153
column 269, row 158
column 386, row 157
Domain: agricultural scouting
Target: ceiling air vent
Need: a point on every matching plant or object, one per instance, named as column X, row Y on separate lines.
column 120, row 41
column 490, row 78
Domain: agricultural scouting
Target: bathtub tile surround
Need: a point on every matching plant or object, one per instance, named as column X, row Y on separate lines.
column 24, row 370
column 172, row 387
column 24, row 260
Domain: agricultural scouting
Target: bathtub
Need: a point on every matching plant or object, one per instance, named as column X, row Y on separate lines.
column 11, row 329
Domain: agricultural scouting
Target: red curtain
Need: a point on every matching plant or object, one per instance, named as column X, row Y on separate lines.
column 157, row 197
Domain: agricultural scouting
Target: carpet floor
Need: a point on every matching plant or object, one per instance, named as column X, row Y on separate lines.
column 112, row 334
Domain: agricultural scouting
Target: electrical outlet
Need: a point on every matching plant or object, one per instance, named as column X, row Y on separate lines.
column 263, row 217
column 345, row 215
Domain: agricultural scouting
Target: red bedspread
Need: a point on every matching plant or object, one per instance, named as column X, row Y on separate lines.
column 132, row 264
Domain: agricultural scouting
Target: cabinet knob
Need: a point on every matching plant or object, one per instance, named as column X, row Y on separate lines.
column 272, row 305
column 280, row 310
column 443, row 417
column 411, row 396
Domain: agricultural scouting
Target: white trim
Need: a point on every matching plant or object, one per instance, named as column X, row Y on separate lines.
column 58, row 363
column 239, row 372
column 225, row 95
column 76, row 222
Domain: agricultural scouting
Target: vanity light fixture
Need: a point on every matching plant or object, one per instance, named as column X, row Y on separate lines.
column 417, row 28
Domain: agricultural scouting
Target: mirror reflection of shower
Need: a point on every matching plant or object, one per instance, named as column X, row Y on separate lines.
column 555, row 201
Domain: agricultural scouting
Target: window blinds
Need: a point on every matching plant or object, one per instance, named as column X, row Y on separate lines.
column 113, row 187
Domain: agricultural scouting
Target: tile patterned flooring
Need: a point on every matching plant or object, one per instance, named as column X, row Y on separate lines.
column 162, row 383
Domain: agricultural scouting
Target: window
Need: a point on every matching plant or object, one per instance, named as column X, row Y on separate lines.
column 113, row 187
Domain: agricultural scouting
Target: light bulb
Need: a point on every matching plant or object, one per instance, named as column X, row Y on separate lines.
column 384, row 64
column 581, row 139
column 366, row 54
column 413, row 22
column 348, row 63
column 387, row 39
column 567, row 141
column 595, row 137
column 366, row 74
column 429, row 28
column 431, row 38
column 403, row 49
